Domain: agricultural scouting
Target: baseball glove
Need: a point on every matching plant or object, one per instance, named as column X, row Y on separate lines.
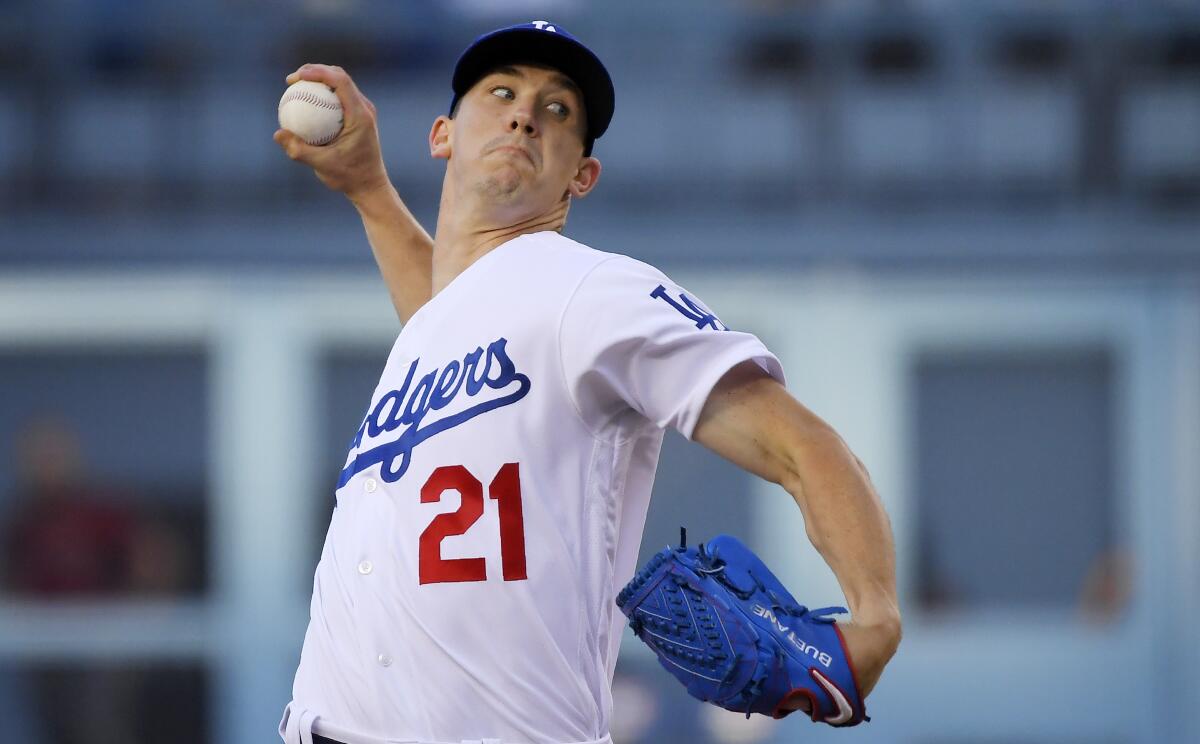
column 725, row 627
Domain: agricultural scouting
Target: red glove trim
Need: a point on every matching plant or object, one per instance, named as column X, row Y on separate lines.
column 853, row 674
column 813, row 707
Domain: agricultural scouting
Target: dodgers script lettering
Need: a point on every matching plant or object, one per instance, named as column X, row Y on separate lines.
column 406, row 409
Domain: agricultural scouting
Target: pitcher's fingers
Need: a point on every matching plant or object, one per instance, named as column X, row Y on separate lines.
column 292, row 145
column 295, row 76
column 352, row 99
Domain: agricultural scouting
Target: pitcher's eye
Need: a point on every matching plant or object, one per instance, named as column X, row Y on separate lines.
column 558, row 109
column 501, row 91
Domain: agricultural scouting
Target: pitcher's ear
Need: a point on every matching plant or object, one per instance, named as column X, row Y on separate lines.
column 585, row 178
column 439, row 137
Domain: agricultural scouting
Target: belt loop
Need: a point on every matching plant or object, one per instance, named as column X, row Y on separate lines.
column 297, row 725
column 307, row 719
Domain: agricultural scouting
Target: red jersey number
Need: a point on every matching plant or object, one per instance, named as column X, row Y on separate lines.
column 505, row 488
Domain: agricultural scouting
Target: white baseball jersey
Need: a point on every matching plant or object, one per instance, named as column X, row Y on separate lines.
column 493, row 500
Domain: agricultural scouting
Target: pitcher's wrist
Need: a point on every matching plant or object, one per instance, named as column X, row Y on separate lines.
column 882, row 616
column 372, row 198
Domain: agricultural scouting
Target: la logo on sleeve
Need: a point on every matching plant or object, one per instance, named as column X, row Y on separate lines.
column 691, row 309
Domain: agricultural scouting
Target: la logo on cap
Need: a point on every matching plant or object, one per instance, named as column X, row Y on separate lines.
column 544, row 26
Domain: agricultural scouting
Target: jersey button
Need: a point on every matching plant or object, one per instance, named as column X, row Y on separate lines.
column 370, row 485
column 384, row 660
column 365, row 567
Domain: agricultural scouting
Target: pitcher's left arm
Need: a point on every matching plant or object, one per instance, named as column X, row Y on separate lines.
column 752, row 420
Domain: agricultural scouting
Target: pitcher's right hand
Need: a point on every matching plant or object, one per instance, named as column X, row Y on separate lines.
column 353, row 162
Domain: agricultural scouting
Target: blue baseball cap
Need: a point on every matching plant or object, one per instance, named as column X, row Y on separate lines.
column 541, row 43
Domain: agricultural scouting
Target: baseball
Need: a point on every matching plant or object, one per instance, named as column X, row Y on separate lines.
column 311, row 111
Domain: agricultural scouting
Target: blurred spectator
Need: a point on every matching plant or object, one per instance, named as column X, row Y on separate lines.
column 70, row 537
column 160, row 561
column 67, row 536
column 1108, row 586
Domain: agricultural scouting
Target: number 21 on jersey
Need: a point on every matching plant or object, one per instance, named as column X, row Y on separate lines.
column 505, row 488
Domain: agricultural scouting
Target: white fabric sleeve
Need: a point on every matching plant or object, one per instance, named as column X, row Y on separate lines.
column 630, row 338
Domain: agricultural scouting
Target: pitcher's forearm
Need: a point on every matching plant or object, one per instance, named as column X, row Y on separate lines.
column 403, row 249
column 846, row 522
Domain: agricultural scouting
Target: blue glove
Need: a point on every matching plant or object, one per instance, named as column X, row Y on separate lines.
column 720, row 621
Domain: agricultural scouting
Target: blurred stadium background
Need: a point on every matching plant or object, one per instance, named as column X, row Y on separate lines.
column 970, row 229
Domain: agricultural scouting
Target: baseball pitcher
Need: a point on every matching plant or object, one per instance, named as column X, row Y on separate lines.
column 491, row 504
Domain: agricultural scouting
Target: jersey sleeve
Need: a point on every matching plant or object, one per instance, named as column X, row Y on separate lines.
column 630, row 338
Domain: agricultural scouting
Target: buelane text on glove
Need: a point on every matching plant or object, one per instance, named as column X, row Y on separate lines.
column 825, row 659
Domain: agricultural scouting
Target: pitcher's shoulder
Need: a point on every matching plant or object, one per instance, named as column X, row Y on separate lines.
column 556, row 252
